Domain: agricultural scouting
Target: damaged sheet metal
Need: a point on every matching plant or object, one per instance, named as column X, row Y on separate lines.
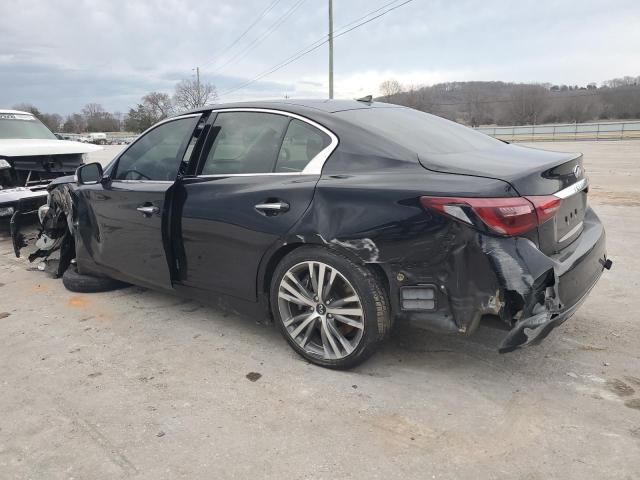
column 478, row 277
column 54, row 232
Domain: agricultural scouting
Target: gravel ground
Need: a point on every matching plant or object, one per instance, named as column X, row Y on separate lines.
column 138, row 384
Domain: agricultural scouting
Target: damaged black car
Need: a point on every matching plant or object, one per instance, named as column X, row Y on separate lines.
column 337, row 217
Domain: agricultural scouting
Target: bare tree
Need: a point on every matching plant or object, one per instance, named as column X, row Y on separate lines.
column 53, row 121
column 98, row 119
column 159, row 104
column 389, row 88
column 191, row 94
column 92, row 110
column 155, row 106
column 526, row 104
column 74, row 123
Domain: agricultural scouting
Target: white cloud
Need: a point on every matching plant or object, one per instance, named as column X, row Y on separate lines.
column 60, row 55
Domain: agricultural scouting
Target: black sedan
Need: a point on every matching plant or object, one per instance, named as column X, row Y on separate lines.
column 338, row 217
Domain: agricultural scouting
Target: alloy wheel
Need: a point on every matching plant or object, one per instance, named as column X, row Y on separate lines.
column 320, row 310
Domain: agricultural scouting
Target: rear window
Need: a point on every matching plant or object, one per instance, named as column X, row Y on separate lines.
column 300, row 145
column 21, row 125
column 418, row 131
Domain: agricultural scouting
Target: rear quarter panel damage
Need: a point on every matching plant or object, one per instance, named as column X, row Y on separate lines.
column 377, row 220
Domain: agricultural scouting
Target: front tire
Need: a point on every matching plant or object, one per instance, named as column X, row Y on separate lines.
column 79, row 283
column 332, row 311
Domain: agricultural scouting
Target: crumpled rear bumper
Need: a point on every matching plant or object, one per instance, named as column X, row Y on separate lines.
column 576, row 272
column 506, row 282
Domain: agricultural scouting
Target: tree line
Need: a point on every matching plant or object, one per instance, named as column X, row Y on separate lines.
column 470, row 103
column 152, row 108
column 502, row 103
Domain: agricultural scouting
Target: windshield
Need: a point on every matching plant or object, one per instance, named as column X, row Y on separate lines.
column 23, row 125
column 418, row 131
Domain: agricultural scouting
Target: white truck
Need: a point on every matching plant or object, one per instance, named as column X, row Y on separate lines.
column 97, row 138
column 30, row 157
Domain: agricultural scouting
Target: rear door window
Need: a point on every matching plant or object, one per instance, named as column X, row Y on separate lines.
column 301, row 144
column 245, row 142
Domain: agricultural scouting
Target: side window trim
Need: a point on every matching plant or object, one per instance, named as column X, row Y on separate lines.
column 113, row 167
column 280, row 142
column 314, row 167
column 196, row 164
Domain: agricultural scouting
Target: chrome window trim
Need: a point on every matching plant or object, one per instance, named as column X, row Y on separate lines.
column 143, row 180
column 315, row 165
column 116, row 159
column 263, row 174
column 573, row 189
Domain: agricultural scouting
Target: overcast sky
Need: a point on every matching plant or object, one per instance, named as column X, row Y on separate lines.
column 61, row 55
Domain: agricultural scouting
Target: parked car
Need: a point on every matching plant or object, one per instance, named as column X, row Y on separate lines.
column 338, row 217
column 97, row 138
column 30, row 157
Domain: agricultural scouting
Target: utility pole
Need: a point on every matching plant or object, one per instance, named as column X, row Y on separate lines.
column 330, row 48
column 197, row 69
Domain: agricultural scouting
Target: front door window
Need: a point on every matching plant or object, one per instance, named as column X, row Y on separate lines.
column 155, row 156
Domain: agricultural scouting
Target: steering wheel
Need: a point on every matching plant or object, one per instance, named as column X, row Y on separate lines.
column 137, row 172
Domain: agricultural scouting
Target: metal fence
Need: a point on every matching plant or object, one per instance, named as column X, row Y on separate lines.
column 567, row 131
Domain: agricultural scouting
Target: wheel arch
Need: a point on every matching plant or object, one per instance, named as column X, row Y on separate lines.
column 275, row 256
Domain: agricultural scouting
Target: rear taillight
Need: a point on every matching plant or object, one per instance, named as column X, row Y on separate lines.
column 508, row 216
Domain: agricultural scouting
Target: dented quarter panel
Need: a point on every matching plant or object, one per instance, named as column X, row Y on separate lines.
column 376, row 218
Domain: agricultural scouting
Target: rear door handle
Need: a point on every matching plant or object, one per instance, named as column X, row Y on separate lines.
column 272, row 208
column 148, row 210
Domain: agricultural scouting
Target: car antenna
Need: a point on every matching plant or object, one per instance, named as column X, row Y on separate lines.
column 367, row 99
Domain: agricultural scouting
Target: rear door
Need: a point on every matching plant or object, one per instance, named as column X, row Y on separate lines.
column 256, row 179
column 123, row 222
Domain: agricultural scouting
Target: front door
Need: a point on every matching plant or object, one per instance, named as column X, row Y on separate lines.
column 251, row 189
column 123, row 221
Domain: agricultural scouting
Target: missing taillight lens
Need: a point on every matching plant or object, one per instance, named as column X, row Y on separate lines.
column 508, row 216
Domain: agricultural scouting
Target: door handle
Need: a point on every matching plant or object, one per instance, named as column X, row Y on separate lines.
column 148, row 210
column 272, row 208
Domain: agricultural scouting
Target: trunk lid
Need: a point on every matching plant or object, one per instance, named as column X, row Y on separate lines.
column 530, row 172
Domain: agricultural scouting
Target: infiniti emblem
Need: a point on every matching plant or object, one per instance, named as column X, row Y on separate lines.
column 577, row 171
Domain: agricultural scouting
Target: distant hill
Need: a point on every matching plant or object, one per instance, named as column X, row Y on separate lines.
column 501, row 103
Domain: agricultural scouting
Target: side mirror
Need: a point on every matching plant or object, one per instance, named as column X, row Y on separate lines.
column 89, row 174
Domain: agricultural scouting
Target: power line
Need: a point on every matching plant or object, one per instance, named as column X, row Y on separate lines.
column 272, row 28
column 308, row 49
column 241, row 36
column 317, row 44
column 382, row 7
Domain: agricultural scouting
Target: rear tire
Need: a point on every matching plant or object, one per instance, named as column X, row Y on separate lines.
column 76, row 282
column 332, row 311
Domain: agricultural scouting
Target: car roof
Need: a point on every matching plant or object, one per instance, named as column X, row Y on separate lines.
column 15, row 111
column 296, row 105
